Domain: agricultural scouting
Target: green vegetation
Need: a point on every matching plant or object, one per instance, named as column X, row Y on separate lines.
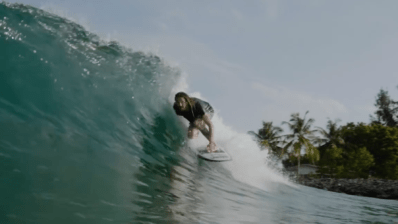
column 268, row 137
column 380, row 141
column 300, row 138
column 386, row 113
column 350, row 151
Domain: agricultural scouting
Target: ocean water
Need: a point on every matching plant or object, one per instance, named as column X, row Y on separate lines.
column 88, row 135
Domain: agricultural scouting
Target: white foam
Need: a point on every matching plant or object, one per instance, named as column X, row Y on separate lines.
column 249, row 164
column 180, row 86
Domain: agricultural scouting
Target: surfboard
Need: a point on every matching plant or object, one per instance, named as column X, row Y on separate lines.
column 218, row 156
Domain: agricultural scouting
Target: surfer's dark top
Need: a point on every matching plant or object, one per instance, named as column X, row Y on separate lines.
column 199, row 109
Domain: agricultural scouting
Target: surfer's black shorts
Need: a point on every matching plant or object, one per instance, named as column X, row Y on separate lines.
column 192, row 124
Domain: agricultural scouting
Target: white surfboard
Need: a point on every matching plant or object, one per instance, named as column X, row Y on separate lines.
column 218, row 156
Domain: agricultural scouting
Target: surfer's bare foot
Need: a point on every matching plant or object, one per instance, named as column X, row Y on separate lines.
column 212, row 147
column 209, row 151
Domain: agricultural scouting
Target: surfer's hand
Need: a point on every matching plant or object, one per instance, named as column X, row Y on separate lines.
column 211, row 147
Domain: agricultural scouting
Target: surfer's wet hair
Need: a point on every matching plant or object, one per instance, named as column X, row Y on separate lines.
column 181, row 95
column 190, row 101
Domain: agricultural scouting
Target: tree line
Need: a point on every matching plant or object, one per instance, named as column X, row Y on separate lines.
column 350, row 151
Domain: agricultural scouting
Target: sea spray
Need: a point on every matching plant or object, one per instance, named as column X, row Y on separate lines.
column 249, row 165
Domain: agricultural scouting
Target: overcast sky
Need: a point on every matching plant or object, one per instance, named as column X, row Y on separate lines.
column 261, row 60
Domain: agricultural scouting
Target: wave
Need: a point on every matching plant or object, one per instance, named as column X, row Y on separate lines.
column 87, row 127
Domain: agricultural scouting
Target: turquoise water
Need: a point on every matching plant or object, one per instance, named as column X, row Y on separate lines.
column 88, row 135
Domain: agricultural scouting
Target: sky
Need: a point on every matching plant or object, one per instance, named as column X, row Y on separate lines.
column 260, row 60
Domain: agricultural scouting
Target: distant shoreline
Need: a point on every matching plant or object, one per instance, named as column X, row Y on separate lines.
column 376, row 188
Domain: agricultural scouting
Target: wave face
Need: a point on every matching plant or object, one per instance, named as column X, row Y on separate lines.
column 88, row 135
column 78, row 116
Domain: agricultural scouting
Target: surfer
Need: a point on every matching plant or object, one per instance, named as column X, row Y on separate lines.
column 199, row 114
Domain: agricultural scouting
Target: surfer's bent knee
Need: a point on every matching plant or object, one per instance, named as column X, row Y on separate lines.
column 199, row 124
column 193, row 132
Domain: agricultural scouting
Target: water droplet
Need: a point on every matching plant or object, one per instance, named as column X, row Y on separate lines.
column 42, row 167
column 34, row 51
column 55, row 80
column 80, row 215
column 41, row 59
column 132, row 97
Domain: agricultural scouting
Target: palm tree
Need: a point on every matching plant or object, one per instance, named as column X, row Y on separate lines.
column 268, row 136
column 302, row 136
column 331, row 137
column 387, row 110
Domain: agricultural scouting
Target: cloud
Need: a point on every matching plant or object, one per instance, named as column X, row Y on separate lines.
column 294, row 101
column 271, row 8
column 237, row 15
column 163, row 26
